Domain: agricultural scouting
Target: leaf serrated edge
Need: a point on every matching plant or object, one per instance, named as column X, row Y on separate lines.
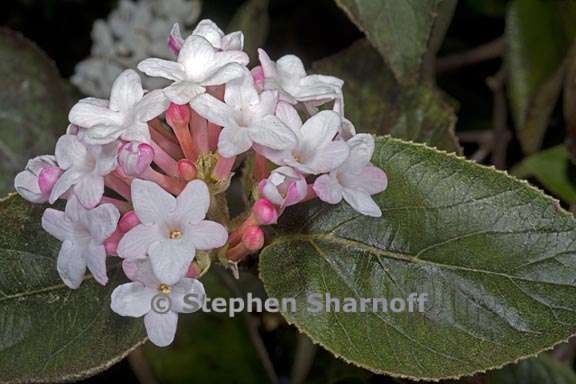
column 552, row 200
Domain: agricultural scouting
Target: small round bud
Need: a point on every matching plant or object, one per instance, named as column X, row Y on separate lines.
column 253, row 238
column 135, row 157
column 187, row 169
column 264, row 212
column 128, row 221
column 47, row 178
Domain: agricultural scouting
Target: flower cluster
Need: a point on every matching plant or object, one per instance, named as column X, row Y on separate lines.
column 142, row 170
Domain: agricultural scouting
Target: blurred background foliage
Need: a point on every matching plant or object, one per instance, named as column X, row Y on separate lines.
column 502, row 64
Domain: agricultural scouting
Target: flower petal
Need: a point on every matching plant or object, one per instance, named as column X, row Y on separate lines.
column 233, row 141
column 213, row 110
column 319, row 130
column 126, row 91
column 55, row 223
column 206, row 235
column 64, row 183
column 241, row 93
column 70, row 151
column 290, row 66
column 95, row 258
column 225, row 74
column 71, row 265
column 181, row 290
column 362, row 202
column 152, row 204
column 152, row 104
column 272, row 133
column 161, row 327
column 136, row 243
column 289, row 116
column 210, row 31
column 162, row 68
column 327, row 158
column 361, row 150
column 132, row 299
column 87, row 115
column 193, row 202
column 233, row 41
column 170, row 259
column 197, row 57
column 90, row 190
column 102, row 222
column 328, row 189
column 182, row 92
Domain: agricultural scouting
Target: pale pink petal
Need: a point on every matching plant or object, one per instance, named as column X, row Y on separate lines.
column 170, row 259
column 327, row 158
column 297, row 191
column 233, row 141
column 225, row 74
column 241, row 93
column 70, row 151
column 268, row 66
column 290, row 66
column 362, row 202
column 210, row 31
column 193, row 202
column 126, row 91
column 328, row 189
column 140, row 270
column 213, row 110
column 226, row 57
column 180, row 292
column 233, row 41
column 90, row 190
column 87, row 115
column 132, row 299
column 152, row 105
column 103, row 134
column 270, row 192
column 95, row 258
column 26, row 184
column 272, row 133
column 71, row 265
column 151, row 203
column 102, row 222
column 289, row 116
column 319, row 130
column 161, row 327
column 197, row 57
column 55, row 223
column 135, row 244
column 64, row 183
column 361, row 150
column 182, row 92
column 206, row 235
column 163, row 68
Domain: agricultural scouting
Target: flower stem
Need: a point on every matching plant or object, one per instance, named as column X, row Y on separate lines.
column 171, row 184
column 164, row 161
column 118, row 185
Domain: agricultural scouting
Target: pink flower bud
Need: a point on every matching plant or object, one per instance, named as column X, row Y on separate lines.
column 178, row 115
column 111, row 243
column 264, row 212
column 193, row 270
column 253, row 238
column 187, row 169
column 135, row 157
column 175, row 40
column 47, row 178
column 258, row 76
column 128, row 221
column 284, row 187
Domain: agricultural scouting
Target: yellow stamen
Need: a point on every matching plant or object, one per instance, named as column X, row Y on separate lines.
column 165, row 289
column 175, row 235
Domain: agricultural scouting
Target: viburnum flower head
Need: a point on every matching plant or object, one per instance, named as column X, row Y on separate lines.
column 171, row 229
column 199, row 65
column 355, row 180
column 246, row 117
column 135, row 299
column 82, row 232
column 124, row 116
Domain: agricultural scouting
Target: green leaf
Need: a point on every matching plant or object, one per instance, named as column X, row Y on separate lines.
column 377, row 103
column 496, row 257
column 553, row 169
column 33, row 105
column 539, row 35
column 253, row 20
column 48, row 332
column 541, row 370
column 199, row 344
column 404, row 32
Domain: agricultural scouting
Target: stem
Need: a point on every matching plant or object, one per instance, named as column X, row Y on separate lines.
column 223, row 167
column 182, row 132
column 140, row 367
column 213, row 129
column 303, row 360
column 171, row 184
column 163, row 139
column 487, row 51
column 164, row 161
column 199, row 131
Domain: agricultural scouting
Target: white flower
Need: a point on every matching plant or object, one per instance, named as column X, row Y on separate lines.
column 125, row 116
column 136, row 299
column 247, row 117
column 316, row 151
column 199, row 65
column 82, row 233
column 172, row 229
column 289, row 77
column 133, row 31
column 26, row 182
column 355, row 180
column 210, row 31
column 84, row 169
column 284, row 187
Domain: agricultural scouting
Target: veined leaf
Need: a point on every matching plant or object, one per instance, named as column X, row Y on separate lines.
column 377, row 103
column 539, row 35
column 496, row 257
column 48, row 332
column 33, row 104
column 404, row 32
